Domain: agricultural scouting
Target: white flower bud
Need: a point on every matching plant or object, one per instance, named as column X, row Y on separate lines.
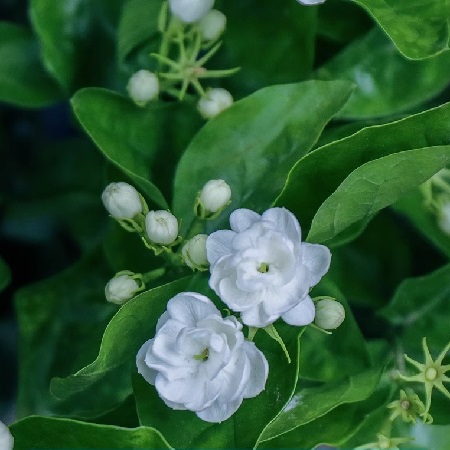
column 143, row 86
column 214, row 102
column 161, row 227
column 444, row 218
column 311, row 2
column 122, row 200
column 121, row 288
column 189, row 11
column 194, row 252
column 329, row 314
column 6, row 438
column 215, row 195
column 212, row 25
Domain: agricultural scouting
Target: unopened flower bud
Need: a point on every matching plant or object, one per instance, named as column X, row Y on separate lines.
column 214, row 196
column 212, row 25
column 6, row 438
column 329, row 314
column 214, row 102
column 143, row 86
column 161, row 227
column 123, row 287
column 122, row 200
column 189, row 11
column 194, row 252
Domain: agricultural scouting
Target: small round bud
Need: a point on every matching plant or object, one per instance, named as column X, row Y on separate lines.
column 161, row 227
column 121, row 288
column 122, row 200
column 212, row 25
column 189, row 11
column 143, row 86
column 214, row 102
column 194, row 252
column 329, row 314
column 6, row 438
column 215, row 195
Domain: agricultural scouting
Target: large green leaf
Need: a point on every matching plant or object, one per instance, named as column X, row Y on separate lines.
column 45, row 432
column 418, row 28
column 109, row 375
column 253, row 144
column 127, row 135
column 23, row 80
column 373, row 186
column 386, row 82
column 309, row 404
column 61, row 321
column 316, row 176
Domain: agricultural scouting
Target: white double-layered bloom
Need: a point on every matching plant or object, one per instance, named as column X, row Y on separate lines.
column 261, row 268
column 189, row 11
column 6, row 439
column 199, row 361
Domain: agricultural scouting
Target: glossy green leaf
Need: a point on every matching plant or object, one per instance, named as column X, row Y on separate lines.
column 138, row 25
column 386, row 82
column 420, row 29
column 373, row 186
column 109, row 375
column 316, row 176
column 5, row 274
column 61, row 321
column 46, row 432
column 413, row 207
column 255, row 150
column 126, row 134
column 23, row 80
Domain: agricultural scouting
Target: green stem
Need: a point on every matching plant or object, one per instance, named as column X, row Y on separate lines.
column 153, row 275
column 273, row 333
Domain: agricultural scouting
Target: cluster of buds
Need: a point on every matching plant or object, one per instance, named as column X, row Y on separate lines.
column 194, row 28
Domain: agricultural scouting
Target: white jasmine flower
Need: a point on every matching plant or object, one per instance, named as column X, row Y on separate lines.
column 189, row 11
column 214, row 102
column 329, row 314
column 311, row 2
column 194, row 252
column 201, row 362
column 444, row 217
column 122, row 200
column 161, row 227
column 143, row 86
column 212, row 25
column 215, row 195
column 121, row 288
column 6, row 438
column 262, row 269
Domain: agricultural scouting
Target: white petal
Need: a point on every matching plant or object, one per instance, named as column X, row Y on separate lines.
column 182, row 391
column 187, row 309
column 259, row 370
column 257, row 317
column 317, row 258
column 162, row 320
column 218, row 244
column 148, row 374
column 218, row 412
column 241, row 219
column 234, row 298
column 286, row 222
column 6, row 438
column 302, row 314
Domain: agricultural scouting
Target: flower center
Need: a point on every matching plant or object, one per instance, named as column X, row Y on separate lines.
column 431, row 374
column 405, row 405
column 263, row 268
column 203, row 356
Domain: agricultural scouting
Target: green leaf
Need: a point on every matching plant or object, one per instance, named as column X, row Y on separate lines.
column 257, row 141
column 316, row 176
column 373, row 186
column 420, row 29
column 47, row 432
column 387, row 82
column 126, row 134
column 138, row 25
column 61, row 321
column 23, row 80
column 109, row 375
column 5, row 275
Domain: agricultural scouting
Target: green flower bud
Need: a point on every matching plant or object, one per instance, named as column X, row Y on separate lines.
column 194, row 252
